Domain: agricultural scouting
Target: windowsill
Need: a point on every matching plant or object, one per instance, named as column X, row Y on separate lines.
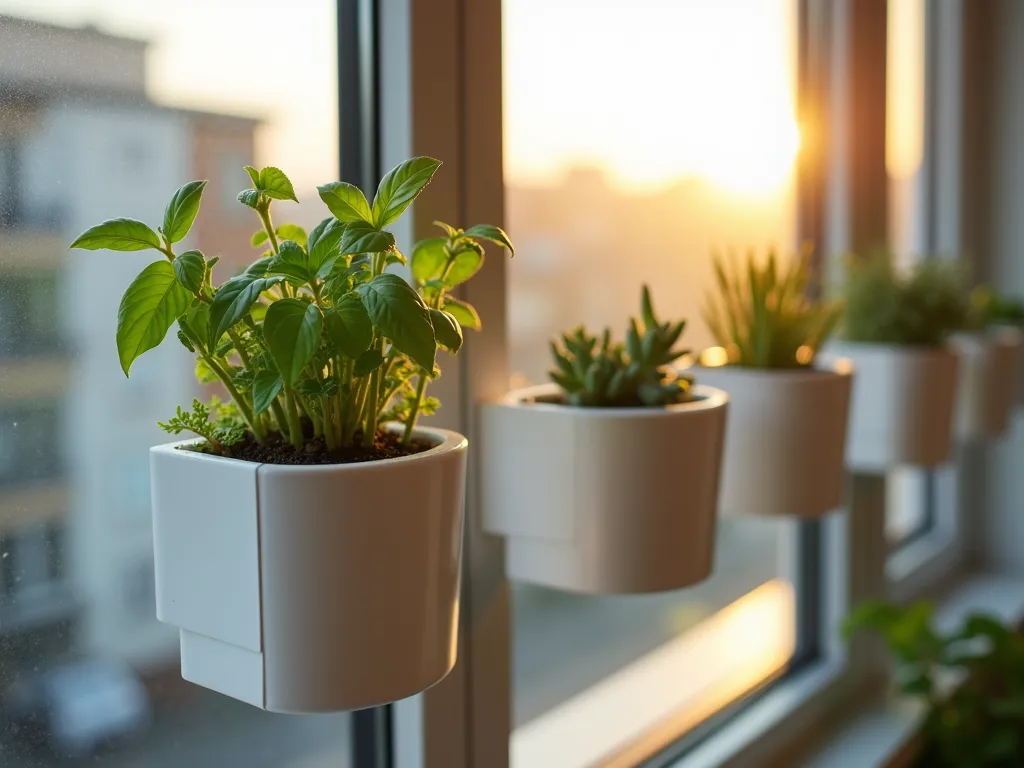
column 879, row 732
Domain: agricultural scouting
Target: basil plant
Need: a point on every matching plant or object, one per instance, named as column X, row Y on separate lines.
column 316, row 344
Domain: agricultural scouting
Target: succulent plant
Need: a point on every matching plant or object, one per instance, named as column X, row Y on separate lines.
column 763, row 315
column 920, row 307
column 615, row 374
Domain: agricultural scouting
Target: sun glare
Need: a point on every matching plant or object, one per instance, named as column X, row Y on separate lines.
column 678, row 89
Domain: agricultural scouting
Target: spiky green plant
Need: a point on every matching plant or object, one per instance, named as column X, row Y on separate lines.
column 990, row 307
column 616, row 374
column 921, row 306
column 763, row 315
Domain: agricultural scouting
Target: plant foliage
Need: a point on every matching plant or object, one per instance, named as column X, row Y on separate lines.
column 315, row 339
column 994, row 308
column 616, row 374
column 922, row 306
column 980, row 721
column 762, row 314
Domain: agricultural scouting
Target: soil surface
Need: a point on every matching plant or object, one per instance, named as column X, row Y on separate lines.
column 277, row 451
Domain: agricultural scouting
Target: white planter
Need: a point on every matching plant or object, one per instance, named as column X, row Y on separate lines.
column 902, row 407
column 785, row 439
column 311, row 588
column 987, row 389
column 603, row 500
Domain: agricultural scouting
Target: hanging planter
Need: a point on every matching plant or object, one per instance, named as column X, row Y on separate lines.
column 987, row 391
column 308, row 544
column 788, row 410
column 608, row 483
column 311, row 588
column 896, row 326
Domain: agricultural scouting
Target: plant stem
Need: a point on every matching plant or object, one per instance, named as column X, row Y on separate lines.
column 243, row 406
column 294, row 425
column 370, row 427
column 264, row 212
column 410, row 425
column 280, row 418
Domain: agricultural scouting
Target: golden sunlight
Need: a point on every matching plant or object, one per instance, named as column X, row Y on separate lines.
column 677, row 89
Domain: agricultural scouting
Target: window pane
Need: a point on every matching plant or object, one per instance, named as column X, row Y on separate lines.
column 94, row 124
column 664, row 130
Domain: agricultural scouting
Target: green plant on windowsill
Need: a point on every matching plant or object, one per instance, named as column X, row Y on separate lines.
column 978, row 721
column 991, row 307
column 762, row 315
column 922, row 306
column 315, row 343
column 603, row 373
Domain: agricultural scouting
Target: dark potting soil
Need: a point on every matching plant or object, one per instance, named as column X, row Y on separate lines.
column 277, row 451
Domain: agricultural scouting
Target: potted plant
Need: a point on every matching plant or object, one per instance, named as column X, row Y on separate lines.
column 969, row 680
column 990, row 362
column 895, row 329
column 308, row 539
column 606, row 480
column 788, row 408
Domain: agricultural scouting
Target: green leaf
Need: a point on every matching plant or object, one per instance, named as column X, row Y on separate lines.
column 346, row 202
column 367, row 363
column 348, row 326
column 259, row 238
column 259, row 267
column 181, row 211
column 292, row 332
column 254, row 175
column 398, row 311
column 446, row 329
column 467, row 263
column 190, row 269
column 323, row 245
column 395, row 256
column 449, row 230
column 153, row 301
column 249, row 197
column 197, row 321
column 360, row 237
column 399, row 188
column 494, row 234
column 273, row 183
column 233, row 301
column 118, row 235
column 292, row 232
column 293, row 263
column 265, row 387
column 428, row 259
column 465, row 313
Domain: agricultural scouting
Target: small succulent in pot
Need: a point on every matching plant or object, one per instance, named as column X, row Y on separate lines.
column 316, row 344
column 604, row 373
column 919, row 307
column 763, row 315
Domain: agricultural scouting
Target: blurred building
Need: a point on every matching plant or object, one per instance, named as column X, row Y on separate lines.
column 80, row 142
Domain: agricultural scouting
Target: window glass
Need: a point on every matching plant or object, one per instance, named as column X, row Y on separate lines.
column 96, row 122
column 907, row 511
column 663, row 131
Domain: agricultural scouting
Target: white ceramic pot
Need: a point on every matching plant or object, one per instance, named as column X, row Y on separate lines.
column 603, row 500
column 902, row 407
column 785, row 440
column 987, row 389
column 311, row 588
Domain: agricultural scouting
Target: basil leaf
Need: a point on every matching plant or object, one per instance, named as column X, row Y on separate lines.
column 292, row 232
column 398, row 311
column 181, row 211
column 446, row 329
column 428, row 259
column 367, row 363
column 400, row 186
column 292, row 332
column 118, row 235
column 249, row 197
column 360, row 237
column 492, row 233
column 274, row 183
column 265, row 387
column 346, row 202
column 465, row 313
column 233, row 301
column 190, row 269
column 349, row 326
column 153, row 301
column 468, row 261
